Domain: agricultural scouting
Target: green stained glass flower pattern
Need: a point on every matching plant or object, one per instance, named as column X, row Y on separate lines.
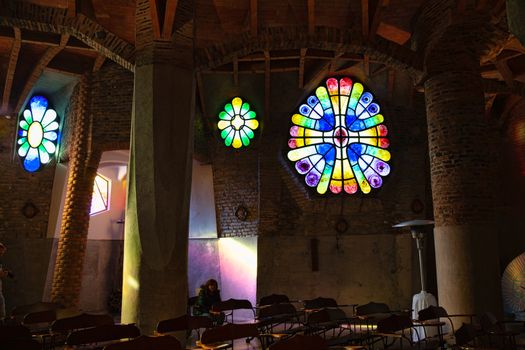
column 237, row 123
column 38, row 134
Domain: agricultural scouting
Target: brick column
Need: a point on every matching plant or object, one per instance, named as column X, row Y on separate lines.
column 462, row 165
column 83, row 164
column 159, row 181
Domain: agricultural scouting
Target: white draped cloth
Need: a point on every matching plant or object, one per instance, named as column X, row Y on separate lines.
column 421, row 301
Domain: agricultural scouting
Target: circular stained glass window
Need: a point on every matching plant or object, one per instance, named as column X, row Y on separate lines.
column 237, row 123
column 38, row 134
column 338, row 141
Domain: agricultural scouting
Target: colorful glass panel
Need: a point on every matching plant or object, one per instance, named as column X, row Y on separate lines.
column 237, row 123
column 38, row 134
column 338, row 141
column 100, row 198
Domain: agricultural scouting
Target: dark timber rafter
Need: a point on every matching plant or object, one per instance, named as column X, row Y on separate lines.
column 311, row 17
column 39, row 68
column 253, row 17
column 13, row 58
column 56, row 20
column 169, row 19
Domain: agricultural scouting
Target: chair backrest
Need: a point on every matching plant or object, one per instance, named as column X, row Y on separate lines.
column 394, row 323
column 103, row 333
column 273, row 299
column 432, row 312
column 301, row 342
column 46, row 316
column 183, row 323
column 489, row 322
column 81, row 321
column 143, row 342
column 22, row 310
column 232, row 304
column 229, row 332
column 372, row 308
column 18, row 344
column 319, row 303
column 14, row 332
column 465, row 334
column 273, row 310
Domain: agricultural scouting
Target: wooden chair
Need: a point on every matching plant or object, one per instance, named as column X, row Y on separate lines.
column 496, row 333
column 319, row 303
column 273, row 299
column 102, row 334
column 39, row 320
column 17, row 337
column 230, row 305
column 143, row 342
column 301, row 342
column 20, row 311
column 399, row 327
column 224, row 336
column 61, row 328
column 184, row 323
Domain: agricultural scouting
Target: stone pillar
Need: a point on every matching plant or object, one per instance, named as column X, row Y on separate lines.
column 159, row 181
column 83, row 165
column 462, row 165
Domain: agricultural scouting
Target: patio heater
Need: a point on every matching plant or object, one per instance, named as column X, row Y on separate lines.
column 423, row 299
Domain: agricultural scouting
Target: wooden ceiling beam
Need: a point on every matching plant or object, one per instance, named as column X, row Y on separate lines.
column 169, row 19
column 301, row 67
column 506, row 73
column 13, row 59
column 366, row 64
column 311, row 17
column 235, row 71
column 378, row 13
column 155, row 22
column 391, row 82
column 99, row 61
column 267, row 75
column 253, row 18
column 29, row 16
column 200, row 89
column 71, row 8
column 38, row 69
column 365, row 19
column 39, row 38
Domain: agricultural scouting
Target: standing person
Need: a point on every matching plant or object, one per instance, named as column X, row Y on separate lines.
column 3, row 274
column 209, row 294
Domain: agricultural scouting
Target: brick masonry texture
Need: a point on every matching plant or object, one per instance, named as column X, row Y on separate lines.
column 100, row 114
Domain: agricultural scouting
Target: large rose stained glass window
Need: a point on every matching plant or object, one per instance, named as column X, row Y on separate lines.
column 38, row 134
column 338, row 141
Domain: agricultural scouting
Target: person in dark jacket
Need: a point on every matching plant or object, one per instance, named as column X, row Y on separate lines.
column 209, row 294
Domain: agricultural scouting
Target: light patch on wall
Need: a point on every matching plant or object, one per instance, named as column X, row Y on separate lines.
column 132, row 282
column 238, row 266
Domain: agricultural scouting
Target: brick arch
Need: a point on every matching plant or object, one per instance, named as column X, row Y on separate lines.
column 325, row 38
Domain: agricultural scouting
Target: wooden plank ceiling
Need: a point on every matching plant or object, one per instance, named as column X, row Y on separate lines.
column 26, row 54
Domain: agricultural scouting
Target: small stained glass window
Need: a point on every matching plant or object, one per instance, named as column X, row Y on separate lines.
column 237, row 123
column 38, row 134
column 100, row 199
column 338, row 141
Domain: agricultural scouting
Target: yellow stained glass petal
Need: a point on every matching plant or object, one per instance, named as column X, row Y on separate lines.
column 223, row 124
column 252, row 124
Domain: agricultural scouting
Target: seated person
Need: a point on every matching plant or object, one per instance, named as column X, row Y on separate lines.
column 209, row 294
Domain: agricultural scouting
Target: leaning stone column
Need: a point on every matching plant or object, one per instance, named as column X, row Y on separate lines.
column 462, row 165
column 83, row 164
column 159, row 181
